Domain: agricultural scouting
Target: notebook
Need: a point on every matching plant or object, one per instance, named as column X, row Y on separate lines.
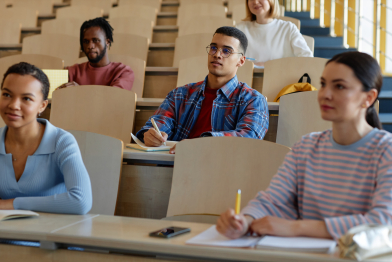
column 211, row 237
column 11, row 214
column 56, row 77
column 298, row 244
column 141, row 146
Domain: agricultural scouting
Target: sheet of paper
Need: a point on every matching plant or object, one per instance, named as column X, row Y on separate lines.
column 169, row 144
column 211, row 237
column 307, row 243
column 56, row 78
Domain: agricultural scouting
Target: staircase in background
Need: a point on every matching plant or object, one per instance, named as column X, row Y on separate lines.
column 326, row 46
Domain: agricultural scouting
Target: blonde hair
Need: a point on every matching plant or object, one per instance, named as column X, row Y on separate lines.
column 274, row 11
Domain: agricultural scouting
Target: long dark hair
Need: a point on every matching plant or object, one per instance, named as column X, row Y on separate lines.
column 367, row 70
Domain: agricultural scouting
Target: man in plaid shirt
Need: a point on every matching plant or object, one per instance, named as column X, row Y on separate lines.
column 217, row 106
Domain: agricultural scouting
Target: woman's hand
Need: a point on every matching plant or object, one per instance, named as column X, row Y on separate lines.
column 7, row 204
column 233, row 226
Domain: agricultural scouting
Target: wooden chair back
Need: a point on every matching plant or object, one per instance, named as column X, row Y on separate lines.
column 187, row 13
column 62, row 46
column 134, row 10
column 152, row 3
column 80, row 12
column 105, row 5
column 10, row 32
column 104, row 110
column 205, row 24
column 64, row 26
column 197, row 43
column 44, row 7
column 133, row 26
column 195, row 69
column 293, row 67
column 102, row 156
column 310, row 42
column 27, row 17
column 193, row 2
column 137, row 65
column 130, row 45
column 40, row 61
column 228, row 164
column 295, row 21
column 299, row 114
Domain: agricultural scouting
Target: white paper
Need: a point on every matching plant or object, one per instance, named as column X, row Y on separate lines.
column 10, row 214
column 169, row 144
column 211, row 237
column 299, row 243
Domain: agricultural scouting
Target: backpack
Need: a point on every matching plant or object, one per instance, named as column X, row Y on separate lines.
column 297, row 87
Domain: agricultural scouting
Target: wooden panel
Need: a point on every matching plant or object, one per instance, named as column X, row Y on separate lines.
column 195, row 42
column 61, row 46
column 133, row 26
column 167, row 20
column 81, row 12
column 141, row 118
column 187, row 12
column 141, row 11
column 137, row 65
column 256, row 161
column 293, row 68
column 105, row 5
column 10, row 32
column 165, row 36
column 299, row 114
column 102, row 157
column 72, row 108
column 161, row 57
column 65, row 26
column 40, row 61
column 25, row 16
column 158, row 86
column 310, row 42
column 42, row 6
column 131, row 45
column 152, row 3
column 203, row 24
column 144, row 191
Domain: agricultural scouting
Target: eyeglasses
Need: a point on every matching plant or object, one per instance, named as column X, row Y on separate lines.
column 225, row 52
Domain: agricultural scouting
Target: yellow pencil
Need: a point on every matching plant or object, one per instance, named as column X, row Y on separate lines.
column 238, row 202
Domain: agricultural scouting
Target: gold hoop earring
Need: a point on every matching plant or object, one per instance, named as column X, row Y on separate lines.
column 364, row 105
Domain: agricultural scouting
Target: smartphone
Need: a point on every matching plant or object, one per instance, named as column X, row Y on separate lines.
column 170, row 232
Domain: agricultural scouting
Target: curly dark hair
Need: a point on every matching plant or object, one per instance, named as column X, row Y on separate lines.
column 236, row 33
column 24, row 68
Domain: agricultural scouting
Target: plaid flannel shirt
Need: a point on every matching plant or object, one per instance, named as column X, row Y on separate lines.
column 238, row 110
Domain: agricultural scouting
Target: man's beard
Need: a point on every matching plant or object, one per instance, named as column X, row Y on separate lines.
column 98, row 58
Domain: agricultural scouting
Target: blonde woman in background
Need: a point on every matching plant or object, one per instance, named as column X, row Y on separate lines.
column 270, row 38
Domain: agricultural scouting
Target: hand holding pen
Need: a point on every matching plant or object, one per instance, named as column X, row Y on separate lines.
column 153, row 137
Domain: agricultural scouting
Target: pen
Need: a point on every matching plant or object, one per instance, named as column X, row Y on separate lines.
column 156, row 128
column 251, row 59
column 238, row 202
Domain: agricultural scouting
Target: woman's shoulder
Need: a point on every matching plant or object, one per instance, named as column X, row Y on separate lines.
column 244, row 24
column 285, row 24
column 382, row 138
column 55, row 137
column 313, row 139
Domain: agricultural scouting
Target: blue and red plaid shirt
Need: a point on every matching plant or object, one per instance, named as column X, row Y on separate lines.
column 238, row 110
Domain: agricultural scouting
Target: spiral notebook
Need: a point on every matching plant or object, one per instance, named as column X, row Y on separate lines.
column 142, row 147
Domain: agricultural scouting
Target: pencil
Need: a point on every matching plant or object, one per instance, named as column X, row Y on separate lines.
column 238, row 202
column 156, row 128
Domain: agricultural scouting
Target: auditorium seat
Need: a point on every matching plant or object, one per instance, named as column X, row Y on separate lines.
column 80, row 12
column 10, row 32
column 152, row 3
column 140, row 11
column 131, row 45
column 190, row 46
column 205, row 24
column 25, row 16
column 106, row 5
column 188, row 12
column 64, row 26
column 133, row 25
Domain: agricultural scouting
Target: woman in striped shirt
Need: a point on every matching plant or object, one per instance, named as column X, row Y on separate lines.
column 332, row 180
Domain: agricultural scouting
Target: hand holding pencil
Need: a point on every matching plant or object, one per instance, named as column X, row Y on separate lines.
column 154, row 137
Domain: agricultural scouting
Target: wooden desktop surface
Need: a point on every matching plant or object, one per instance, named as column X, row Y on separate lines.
column 130, row 235
column 133, row 154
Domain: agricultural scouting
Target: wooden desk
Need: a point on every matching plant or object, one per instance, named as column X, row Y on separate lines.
column 133, row 156
column 130, row 236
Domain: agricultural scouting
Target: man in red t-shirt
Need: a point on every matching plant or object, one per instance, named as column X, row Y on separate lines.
column 96, row 36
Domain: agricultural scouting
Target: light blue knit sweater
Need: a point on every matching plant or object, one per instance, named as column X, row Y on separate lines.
column 55, row 179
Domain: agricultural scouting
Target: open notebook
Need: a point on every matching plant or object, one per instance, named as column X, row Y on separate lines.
column 141, row 146
column 211, row 237
column 11, row 214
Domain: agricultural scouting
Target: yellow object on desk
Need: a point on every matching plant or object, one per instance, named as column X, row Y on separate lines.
column 238, row 202
column 56, row 78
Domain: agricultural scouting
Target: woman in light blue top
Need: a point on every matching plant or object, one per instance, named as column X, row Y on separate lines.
column 41, row 167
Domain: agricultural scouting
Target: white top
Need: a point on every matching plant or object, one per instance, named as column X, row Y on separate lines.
column 274, row 40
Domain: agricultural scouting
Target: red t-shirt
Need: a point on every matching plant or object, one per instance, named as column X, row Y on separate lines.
column 113, row 74
column 203, row 122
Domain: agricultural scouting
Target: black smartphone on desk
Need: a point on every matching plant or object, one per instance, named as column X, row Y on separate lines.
column 170, row 232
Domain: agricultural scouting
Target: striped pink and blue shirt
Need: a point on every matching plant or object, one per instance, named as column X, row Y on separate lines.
column 319, row 179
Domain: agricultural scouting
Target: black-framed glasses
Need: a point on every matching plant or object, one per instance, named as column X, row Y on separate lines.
column 225, row 52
